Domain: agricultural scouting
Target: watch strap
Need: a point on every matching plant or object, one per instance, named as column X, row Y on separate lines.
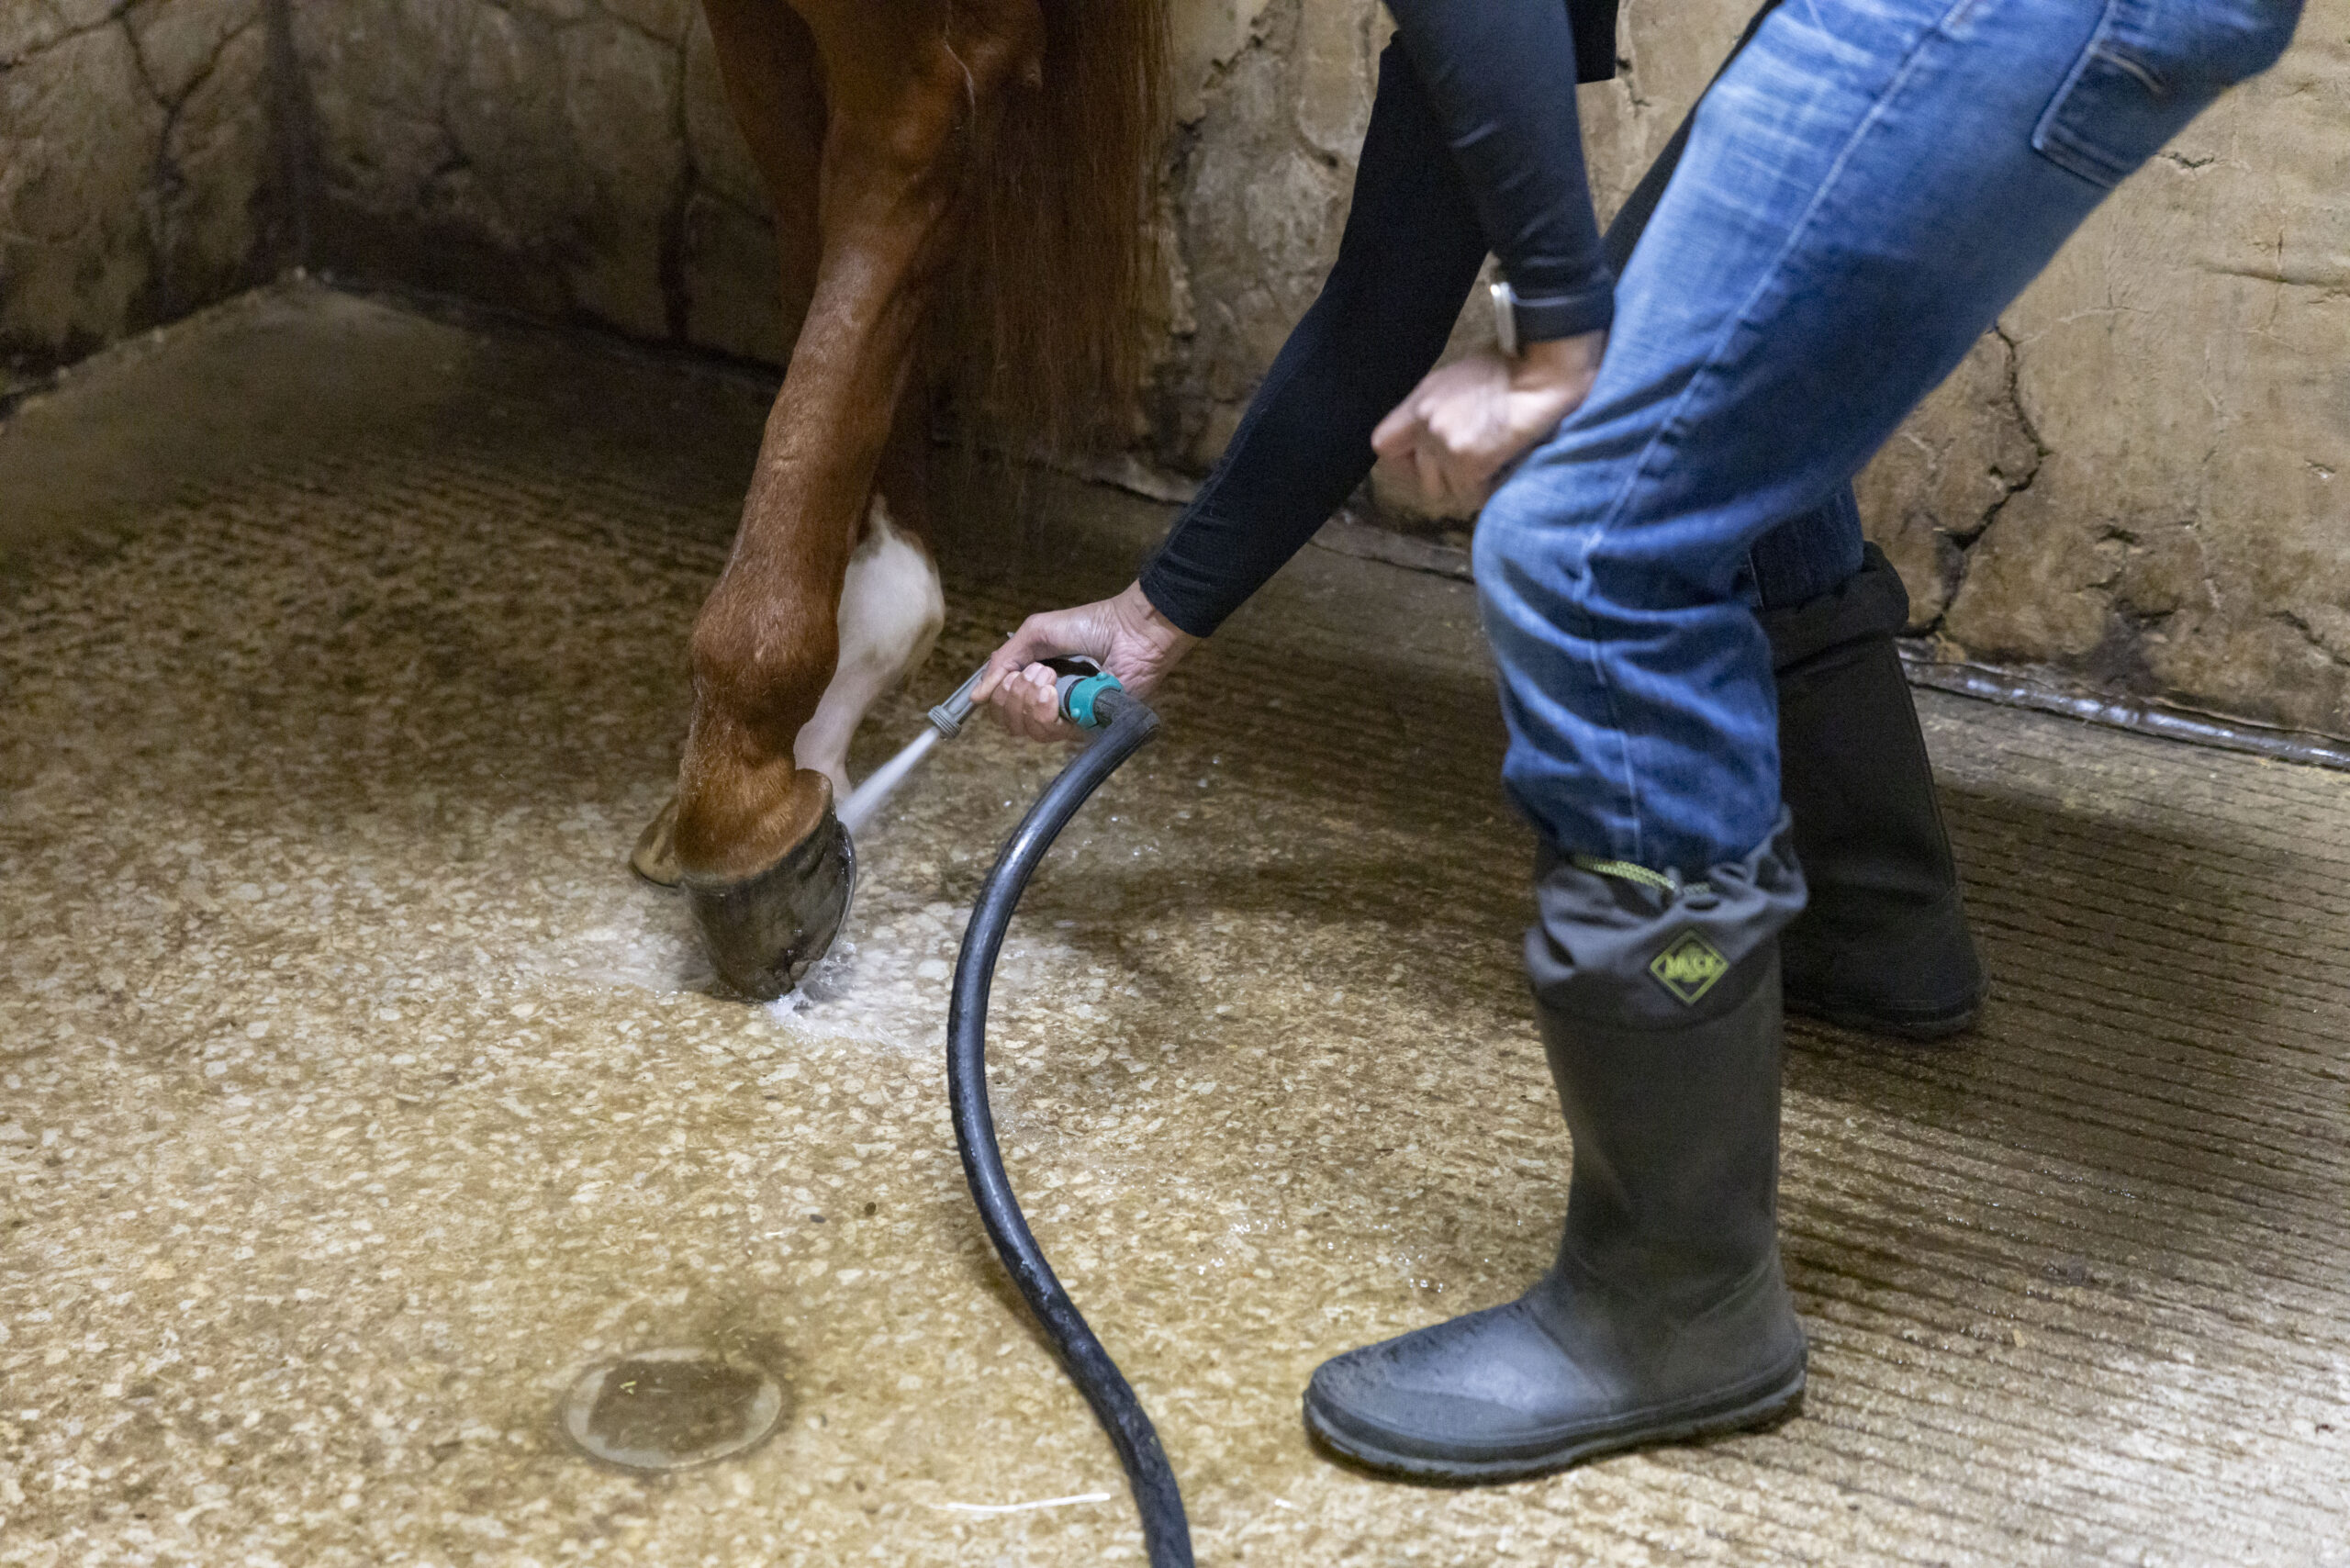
column 1519, row 321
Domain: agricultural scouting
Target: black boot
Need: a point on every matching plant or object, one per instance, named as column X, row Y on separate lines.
column 1665, row 1316
column 1884, row 946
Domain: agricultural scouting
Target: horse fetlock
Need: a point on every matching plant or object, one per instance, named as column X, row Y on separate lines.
column 741, row 808
column 956, row 78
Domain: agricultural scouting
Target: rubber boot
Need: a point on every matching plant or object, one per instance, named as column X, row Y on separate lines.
column 1666, row 1316
column 1884, row 944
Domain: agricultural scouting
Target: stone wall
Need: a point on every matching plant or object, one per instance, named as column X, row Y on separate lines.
column 2131, row 485
column 571, row 158
column 136, row 138
column 2182, row 376
column 575, row 157
column 1272, row 98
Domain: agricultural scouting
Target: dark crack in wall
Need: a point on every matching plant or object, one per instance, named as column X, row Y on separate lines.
column 135, row 186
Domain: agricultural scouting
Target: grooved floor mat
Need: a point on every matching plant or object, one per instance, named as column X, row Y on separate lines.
column 353, row 1098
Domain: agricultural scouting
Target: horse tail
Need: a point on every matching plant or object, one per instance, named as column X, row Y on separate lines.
column 1051, row 317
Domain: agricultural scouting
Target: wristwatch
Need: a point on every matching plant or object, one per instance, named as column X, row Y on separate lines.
column 1518, row 322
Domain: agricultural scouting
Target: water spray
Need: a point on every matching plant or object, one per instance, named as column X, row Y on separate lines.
column 1079, row 680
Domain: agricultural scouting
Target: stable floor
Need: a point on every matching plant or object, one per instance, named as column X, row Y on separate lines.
column 353, row 1098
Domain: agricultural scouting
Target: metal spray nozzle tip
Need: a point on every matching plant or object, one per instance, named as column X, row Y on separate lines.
column 949, row 716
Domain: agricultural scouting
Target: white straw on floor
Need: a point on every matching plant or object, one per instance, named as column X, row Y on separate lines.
column 1024, row 1508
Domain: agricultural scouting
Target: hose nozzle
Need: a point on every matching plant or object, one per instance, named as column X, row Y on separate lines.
column 949, row 717
column 1077, row 692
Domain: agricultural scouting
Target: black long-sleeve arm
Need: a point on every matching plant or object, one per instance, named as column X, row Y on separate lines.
column 1410, row 252
column 1414, row 239
column 1412, row 243
column 1497, row 75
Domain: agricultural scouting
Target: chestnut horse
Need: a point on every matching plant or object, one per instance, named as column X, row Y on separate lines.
column 963, row 195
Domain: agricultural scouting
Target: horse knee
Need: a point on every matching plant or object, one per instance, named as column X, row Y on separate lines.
column 905, row 91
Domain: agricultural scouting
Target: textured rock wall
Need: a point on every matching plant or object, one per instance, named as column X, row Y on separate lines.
column 2132, row 484
column 2174, row 429
column 1273, row 97
column 566, row 157
column 135, row 142
column 577, row 157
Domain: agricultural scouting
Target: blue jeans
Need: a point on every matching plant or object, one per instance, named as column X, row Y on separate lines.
column 1864, row 189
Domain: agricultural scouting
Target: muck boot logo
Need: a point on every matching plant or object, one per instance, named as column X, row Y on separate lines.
column 1688, row 967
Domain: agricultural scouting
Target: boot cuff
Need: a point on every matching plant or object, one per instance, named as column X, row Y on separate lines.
column 1870, row 603
column 1631, row 950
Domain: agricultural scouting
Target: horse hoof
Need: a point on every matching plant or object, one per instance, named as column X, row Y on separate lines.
column 766, row 931
column 654, row 858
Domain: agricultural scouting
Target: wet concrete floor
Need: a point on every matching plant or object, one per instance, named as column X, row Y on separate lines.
column 353, row 1099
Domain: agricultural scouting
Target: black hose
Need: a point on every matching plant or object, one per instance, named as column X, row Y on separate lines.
column 1167, row 1535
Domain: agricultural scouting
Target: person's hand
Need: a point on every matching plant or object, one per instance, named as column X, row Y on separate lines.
column 1467, row 420
column 1125, row 635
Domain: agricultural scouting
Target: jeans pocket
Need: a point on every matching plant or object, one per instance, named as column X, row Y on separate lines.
column 2152, row 66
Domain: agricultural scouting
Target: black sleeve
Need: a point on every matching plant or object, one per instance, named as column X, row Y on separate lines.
column 1414, row 239
column 1499, row 75
column 1409, row 255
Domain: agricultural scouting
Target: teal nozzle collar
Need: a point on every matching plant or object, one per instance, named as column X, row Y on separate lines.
column 1080, row 692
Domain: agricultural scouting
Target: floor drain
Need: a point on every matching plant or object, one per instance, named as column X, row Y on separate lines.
column 671, row 1409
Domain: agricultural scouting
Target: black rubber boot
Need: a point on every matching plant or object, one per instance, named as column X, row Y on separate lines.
column 1884, row 944
column 1665, row 1316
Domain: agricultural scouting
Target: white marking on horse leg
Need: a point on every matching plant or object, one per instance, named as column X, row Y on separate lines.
column 891, row 610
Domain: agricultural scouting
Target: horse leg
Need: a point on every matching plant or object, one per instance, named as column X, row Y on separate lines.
column 891, row 609
column 765, row 863
column 891, row 605
column 774, row 87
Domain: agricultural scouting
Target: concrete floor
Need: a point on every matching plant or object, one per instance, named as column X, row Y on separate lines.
column 352, row 1097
